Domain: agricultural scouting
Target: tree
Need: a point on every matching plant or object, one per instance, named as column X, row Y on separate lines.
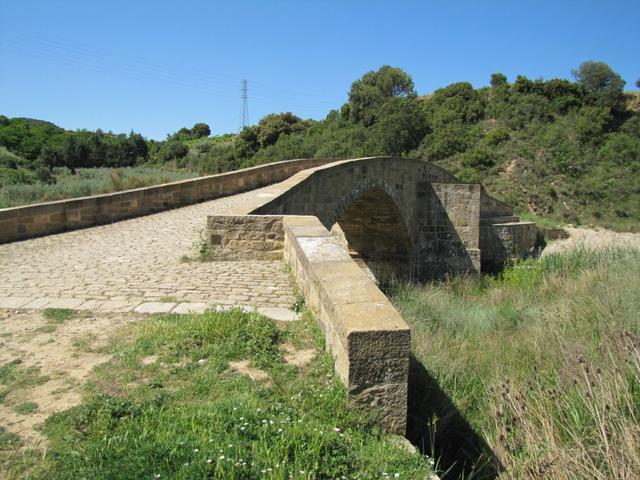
column 401, row 126
column 604, row 86
column 368, row 94
column 247, row 144
column 75, row 152
column 498, row 79
column 172, row 150
column 455, row 103
column 523, row 85
column 271, row 127
column 200, row 130
column 138, row 146
column 563, row 94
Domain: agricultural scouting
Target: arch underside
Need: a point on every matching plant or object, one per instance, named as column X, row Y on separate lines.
column 372, row 229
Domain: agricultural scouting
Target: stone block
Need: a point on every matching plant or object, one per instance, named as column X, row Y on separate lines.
column 71, row 303
column 387, row 401
column 14, row 302
column 369, row 370
column 280, row 314
column 155, row 307
column 321, row 249
column 8, row 227
column 187, row 308
column 38, row 303
column 378, row 343
column 341, row 283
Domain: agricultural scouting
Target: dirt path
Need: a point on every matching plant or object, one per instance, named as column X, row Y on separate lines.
column 46, row 362
column 592, row 239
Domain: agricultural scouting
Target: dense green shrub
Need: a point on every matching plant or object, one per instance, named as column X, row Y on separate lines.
column 479, row 157
column 621, row 148
column 496, row 136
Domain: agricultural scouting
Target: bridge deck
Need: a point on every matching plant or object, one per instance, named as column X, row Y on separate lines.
column 117, row 267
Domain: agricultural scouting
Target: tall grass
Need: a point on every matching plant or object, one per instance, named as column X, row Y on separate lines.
column 87, row 181
column 543, row 361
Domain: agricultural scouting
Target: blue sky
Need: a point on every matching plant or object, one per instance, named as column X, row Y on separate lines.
column 156, row 66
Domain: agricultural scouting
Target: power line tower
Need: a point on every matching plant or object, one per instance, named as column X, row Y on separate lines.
column 245, row 107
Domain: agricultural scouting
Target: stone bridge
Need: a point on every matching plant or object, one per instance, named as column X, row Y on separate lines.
column 402, row 217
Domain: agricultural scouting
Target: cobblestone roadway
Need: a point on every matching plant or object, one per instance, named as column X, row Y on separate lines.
column 116, row 267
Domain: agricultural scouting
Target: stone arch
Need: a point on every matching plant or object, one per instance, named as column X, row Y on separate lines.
column 370, row 224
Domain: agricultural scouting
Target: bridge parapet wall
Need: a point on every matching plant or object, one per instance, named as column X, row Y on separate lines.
column 491, row 207
column 369, row 340
column 19, row 223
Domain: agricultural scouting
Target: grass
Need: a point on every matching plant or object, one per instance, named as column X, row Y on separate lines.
column 168, row 299
column 87, row 181
column 184, row 418
column 57, row 315
column 26, row 408
column 543, row 362
column 12, row 376
column 202, row 250
column 299, row 302
column 13, row 380
column 202, row 245
column 543, row 221
column 8, row 439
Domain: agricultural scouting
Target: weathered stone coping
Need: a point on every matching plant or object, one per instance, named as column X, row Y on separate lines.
column 367, row 337
column 18, row 223
column 369, row 340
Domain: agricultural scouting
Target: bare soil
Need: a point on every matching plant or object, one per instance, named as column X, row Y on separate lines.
column 65, row 355
column 592, row 239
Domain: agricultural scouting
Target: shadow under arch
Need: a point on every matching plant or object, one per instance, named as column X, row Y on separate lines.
column 369, row 223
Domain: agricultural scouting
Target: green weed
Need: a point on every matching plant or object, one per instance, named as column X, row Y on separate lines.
column 26, row 408
column 299, row 303
column 203, row 248
column 8, row 439
column 15, row 377
column 57, row 315
column 168, row 299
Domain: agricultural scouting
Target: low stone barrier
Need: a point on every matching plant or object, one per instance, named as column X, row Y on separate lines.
column 505, row 238
column 245, row 237
column 367, row 337
column 28, row 221
column 369, row 340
